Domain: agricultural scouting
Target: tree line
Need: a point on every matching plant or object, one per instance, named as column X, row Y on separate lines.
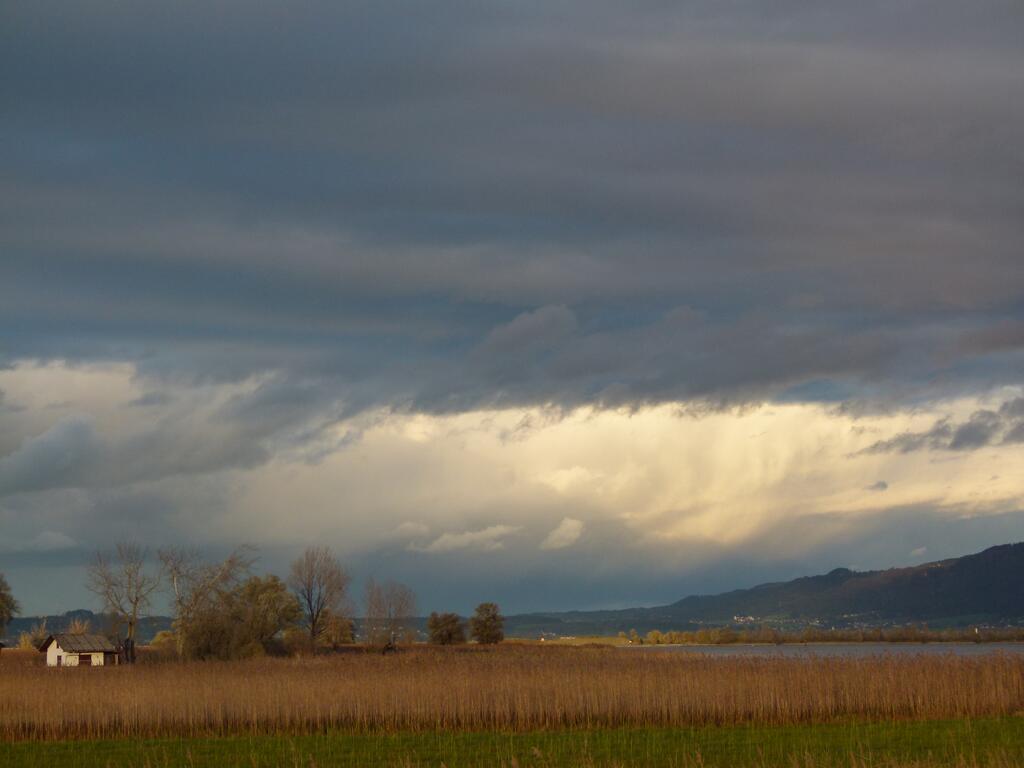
column 222, row 610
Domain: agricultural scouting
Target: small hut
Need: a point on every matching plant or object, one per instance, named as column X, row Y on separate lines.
column 79, row 651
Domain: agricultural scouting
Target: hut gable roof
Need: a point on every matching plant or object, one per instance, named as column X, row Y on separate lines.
column 80, row 643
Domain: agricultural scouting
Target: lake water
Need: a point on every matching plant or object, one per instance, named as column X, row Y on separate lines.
column 847, row 650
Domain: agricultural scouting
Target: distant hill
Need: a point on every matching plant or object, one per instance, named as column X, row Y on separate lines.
column 985, row 588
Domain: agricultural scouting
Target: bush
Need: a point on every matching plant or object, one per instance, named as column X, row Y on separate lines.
column 34, row 638
column 487, row 624
column 296, row 642
column 446, row 629
column 164, row 644
column 340, row 630
column 243, row 622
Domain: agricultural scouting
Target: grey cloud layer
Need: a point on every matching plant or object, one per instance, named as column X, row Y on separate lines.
column 985, row 427
column 392, row 201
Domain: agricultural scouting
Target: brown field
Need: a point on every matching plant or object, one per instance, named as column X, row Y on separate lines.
column 506, row 688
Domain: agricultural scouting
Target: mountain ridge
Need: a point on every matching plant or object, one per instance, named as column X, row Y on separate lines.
column 984, row 587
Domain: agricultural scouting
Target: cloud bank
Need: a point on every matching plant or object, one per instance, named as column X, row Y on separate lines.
column 551, row 203
column 981, row 429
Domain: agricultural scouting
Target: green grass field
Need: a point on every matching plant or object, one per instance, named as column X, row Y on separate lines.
column 997, row 742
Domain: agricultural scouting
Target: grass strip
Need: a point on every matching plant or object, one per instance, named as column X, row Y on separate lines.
column 986, row 742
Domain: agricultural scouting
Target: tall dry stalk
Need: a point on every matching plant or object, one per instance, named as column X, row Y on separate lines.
column 511, row 688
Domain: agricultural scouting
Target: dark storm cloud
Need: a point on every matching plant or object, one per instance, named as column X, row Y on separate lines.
column 71, row 454
column 56, row 458
column 170, row 438
column 982, row 428
column 152, row 399
column 484, row 202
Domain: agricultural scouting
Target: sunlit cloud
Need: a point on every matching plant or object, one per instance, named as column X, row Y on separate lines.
column 486, row 540
column 680, row 486
column 721, row 475
column 565, row 535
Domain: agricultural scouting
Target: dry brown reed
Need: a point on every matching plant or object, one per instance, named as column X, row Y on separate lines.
column 507, row 688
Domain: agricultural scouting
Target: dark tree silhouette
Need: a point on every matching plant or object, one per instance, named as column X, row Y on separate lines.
column 487, row 624
column 8, row 605
column 446, row 629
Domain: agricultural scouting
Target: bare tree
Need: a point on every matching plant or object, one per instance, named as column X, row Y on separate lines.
column 179, row 565
column 321, row 585
column 124, row 584
column 390, row 608
column 194, row 585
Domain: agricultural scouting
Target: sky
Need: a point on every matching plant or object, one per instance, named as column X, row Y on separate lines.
column 560, row 304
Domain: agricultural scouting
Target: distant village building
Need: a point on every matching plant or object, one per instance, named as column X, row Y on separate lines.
column 79, row 651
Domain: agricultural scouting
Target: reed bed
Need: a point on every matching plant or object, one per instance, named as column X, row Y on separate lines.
column 507, row 688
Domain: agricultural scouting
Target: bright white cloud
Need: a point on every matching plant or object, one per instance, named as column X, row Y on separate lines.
column 724, row 477
column 565, row 535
